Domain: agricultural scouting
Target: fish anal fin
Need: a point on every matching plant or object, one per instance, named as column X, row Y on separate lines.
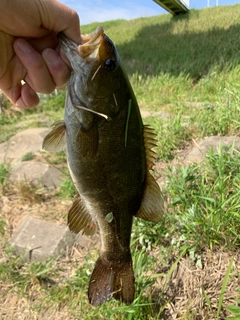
column 56, row 139
column 79, row 218
column 152, row 205
column 88, row 139
column 111, row 278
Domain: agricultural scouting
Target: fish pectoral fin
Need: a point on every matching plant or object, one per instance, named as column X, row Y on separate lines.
column 111, row 278
column 56, row 139
column 152, row 205
column 88, row 141
column 79, row 218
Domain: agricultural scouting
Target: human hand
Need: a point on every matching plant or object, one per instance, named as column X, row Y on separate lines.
column 30, row 50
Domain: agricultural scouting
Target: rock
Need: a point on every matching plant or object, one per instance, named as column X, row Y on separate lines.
column 29, row 140
column 37, row 240
column 160, row 114
column 199, row 152
column 86, row 242
column 37, row 173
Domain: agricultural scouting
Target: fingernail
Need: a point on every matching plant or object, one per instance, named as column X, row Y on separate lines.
column 24, row 46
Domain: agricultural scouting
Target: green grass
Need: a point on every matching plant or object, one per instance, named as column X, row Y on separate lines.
column 28, row 156
column 4, row 169
column 171, row 60
column 205, row 200
column 234, row 309
column 187, row 67
column 45, row 278
column 172, row 134
column 67, row 188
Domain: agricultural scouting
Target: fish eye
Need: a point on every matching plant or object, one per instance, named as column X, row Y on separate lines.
column 110, row 65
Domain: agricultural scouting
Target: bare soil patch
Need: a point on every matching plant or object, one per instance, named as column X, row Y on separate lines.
column 189, row 287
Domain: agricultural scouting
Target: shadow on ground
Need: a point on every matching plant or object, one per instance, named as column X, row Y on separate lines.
column 174, row 47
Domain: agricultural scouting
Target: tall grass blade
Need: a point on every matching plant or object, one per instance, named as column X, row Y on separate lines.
column 225, row 280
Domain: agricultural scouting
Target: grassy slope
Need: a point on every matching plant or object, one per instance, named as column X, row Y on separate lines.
column 189, row 67
column 177, row 59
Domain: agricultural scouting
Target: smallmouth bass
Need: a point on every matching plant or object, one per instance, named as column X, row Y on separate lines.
column 109, row 153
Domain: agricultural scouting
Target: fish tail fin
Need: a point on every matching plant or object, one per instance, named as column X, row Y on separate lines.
column 111, row 278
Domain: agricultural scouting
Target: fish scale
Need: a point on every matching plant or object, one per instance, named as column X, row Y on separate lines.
column 109, row 153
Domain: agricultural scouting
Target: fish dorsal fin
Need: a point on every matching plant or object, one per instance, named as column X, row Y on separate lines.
column 152, row 205
column 56, row 139
column 79, row 218
column 88, row 141
column 149, row 143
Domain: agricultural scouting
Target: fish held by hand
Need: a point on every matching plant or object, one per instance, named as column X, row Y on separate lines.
column 110, row 157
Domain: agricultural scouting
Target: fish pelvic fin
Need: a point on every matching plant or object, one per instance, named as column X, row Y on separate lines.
column 152, row 205
column 111, row 278
column 56, row 139
column 79, row 219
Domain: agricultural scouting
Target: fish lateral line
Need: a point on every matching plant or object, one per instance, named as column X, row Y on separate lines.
column 128, row 118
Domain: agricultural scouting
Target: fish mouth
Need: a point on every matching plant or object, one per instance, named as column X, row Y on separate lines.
column 88, row 49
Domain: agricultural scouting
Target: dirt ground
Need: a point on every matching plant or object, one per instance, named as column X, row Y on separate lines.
column 193, row 292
